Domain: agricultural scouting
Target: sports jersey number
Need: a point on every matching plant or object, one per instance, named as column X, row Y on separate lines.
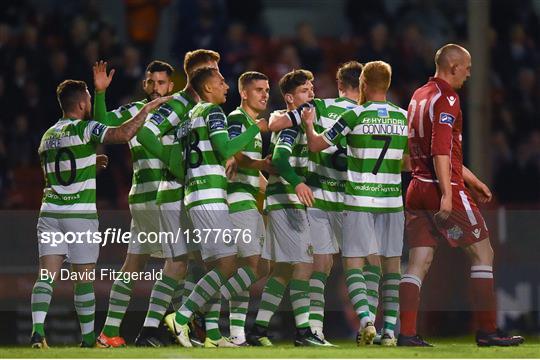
column 339, row 162
column 192, row 145
column 72, row 167
column 412, row 112
column 386, row 139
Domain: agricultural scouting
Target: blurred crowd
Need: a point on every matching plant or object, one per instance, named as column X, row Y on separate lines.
column 40, row 49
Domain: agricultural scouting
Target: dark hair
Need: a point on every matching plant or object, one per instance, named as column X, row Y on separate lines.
column 200, row 77
column 290, row 81
column 69, row 92
column 196, row 57
column 158, row 66
column 349, row 74
column 250, row 76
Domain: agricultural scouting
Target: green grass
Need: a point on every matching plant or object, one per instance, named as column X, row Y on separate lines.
column 444, row 348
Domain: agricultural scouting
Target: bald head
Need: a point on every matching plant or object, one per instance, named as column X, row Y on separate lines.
column 453, row 64
column 450, row 55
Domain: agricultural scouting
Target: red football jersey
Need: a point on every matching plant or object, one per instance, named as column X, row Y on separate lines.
column 435, row 125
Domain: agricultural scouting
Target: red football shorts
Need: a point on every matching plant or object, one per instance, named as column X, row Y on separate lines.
column 464, row 227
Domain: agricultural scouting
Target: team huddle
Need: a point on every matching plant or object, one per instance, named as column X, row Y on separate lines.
column 331, row 184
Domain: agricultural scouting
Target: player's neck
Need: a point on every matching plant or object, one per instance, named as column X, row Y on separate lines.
column 192, row 93
column 352, row 95
column 251, row 112
column 445, row 77
column 210, row 99
column 71, row 115
column 376, row 97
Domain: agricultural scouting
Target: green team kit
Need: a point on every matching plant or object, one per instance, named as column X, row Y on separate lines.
column 359, row 172
column 160, row 135
column 376, row 135
column 147, row 171
column 68, row 158
column 243, row 189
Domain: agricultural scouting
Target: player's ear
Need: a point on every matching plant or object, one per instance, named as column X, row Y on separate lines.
column 289, row 98
column 171, row 87
column 207, row 87
column 243, row 94
column 339, row 85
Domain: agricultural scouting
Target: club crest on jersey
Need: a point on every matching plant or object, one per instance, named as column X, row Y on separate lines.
column 382, row 112
column 310, row 250
column 98, row 129
column 446, row 118
column 455, row 233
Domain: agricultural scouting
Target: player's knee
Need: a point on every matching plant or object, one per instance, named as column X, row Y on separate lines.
column 263, row 268
column 483, row 255
column 175, row 269
column 134, row 263
column 227, row 266
column 420, row 265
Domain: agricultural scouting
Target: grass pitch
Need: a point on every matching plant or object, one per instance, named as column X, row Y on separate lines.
column 444, row 348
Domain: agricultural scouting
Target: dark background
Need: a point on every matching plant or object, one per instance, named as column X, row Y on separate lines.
column 43, row 42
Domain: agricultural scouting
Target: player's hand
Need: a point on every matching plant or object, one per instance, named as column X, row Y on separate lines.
column 231, row 168
column 154, row 104
column 444, row 211
column 102, row 161
column 262, row 124
column 482, row 192
column 305, row 195
column 267, row 165
column 101, row 79
column 308, row 115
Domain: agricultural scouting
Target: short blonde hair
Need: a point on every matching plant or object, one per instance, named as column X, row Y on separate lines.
column 377, row 75
column 197, row 57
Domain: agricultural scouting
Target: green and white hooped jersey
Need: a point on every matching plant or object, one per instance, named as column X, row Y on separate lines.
column 68, row 159
column 168, row 123
column 242, row 191
column 206, row 182
column 327, row 169
column 279, row 193
column 376, row 134
column 146, row 168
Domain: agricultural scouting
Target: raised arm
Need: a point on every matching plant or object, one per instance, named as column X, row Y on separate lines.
column 126, row 131
column 102, row 80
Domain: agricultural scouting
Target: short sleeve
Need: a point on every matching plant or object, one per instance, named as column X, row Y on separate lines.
column 166, row 117
column 443, row 117
column 92, row 131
